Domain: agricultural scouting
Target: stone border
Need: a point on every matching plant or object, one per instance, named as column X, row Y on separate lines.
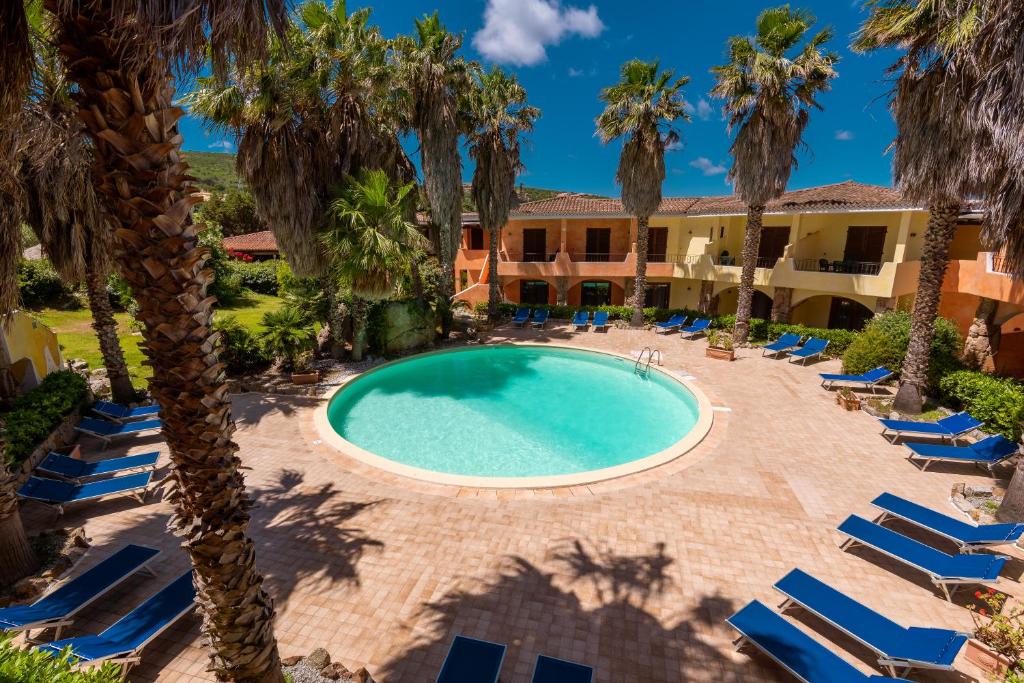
column 705, row 420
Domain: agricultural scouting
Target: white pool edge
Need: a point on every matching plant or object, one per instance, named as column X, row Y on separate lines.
column 705, row 420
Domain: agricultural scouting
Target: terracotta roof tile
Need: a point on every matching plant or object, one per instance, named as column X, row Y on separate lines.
column 584, row 205
column 253, row 241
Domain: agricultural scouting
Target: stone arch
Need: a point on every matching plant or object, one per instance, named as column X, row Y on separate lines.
column 726, row 305
column 832, row 311
column 617, row 293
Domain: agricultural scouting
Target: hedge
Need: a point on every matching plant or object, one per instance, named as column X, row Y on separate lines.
column 884, row 343
column 997, row 401
column 256, row 276
column 33, row 666
column 39, row 284
column 33, row 416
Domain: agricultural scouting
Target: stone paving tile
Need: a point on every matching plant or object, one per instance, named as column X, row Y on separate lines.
column 634, row 576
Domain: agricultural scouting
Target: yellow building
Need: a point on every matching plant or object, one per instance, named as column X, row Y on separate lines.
column 28, row 352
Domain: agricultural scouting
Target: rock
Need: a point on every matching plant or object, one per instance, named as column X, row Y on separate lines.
column 291, row 661
column 318, row 659
column 407, row 325
column 100, row 372
column 362, row 676
column 335, row 671
column 78, row 365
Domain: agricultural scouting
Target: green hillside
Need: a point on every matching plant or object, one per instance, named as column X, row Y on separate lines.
column 213, row 170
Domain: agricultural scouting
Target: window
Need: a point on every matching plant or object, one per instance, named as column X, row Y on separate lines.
column 463, row 279
column 533, row 292
column 595, row 294
column 864, row 244
column 475, row 237
column 657, row 244
column 535, row 244
column 598, row 244
column 658, row 295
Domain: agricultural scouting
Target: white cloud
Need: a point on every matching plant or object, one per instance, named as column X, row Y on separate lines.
column 707, row 167
column 844, row 135
column 225, row 145
column 519, row 31
column 702, row 110
column 575, row 73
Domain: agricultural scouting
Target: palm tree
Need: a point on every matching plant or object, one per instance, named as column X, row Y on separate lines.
column 933, row 150
column 120, row 55
column 370, row 240
column 435, row 78
column 641, row 105
column 769, row 87
column 500, row 116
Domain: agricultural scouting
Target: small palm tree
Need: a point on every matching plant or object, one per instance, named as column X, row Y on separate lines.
column 288, row 336
column 500, row 116
column 933, row 151
column 642, row 105
column 370, row 241
column 769, row 87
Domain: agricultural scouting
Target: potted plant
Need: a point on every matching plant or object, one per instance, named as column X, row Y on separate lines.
column 847, row 399
column 998, row 643
column 720, row 346
column 289, row 338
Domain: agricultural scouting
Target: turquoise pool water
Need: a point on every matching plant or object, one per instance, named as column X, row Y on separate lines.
column 513, row 411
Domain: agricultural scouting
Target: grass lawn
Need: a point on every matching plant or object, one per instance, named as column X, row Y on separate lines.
column 77, row 339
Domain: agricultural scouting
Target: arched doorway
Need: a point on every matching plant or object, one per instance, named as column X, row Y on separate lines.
column 847, row 314
column 726, row 302
column 761, row 306
column 595, row 293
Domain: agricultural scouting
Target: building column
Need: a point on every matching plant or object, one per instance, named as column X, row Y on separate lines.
column 564, row 236
column 983, row 336
column 561, row 289
column 706, row 299
column 885, row 304
column 782, row 304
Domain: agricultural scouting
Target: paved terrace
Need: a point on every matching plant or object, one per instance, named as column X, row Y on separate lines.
column 634, row 576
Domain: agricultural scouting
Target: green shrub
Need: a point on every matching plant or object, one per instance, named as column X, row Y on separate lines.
column 33, row 416
column 234, row 211
column 998, row 401
column 287, row 336
column 885, row 340
column 240, row 350
column 39, row 285
column 256, row 276
column 838, row 340
column 32, row 666
column 226, row 285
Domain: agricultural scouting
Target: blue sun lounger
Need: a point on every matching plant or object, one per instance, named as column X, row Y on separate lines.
column 121, row 413
column 949, row 427
column 522, row 315
column 698, row 328
column 105, row 431
column 124, row 640
column 948, row 572
column 792, row 649
column 968, row 536
column 540, row 317
column 869, row 379
column 670, row 325
column 600, row 320
column 988, row 452
column 58, row 606
column 897, row 647
column 785, row 343
column 812, row 348
column 551, row 670
column 60, row 494
column 472, row 661
column 64, row 467
column 580, row 320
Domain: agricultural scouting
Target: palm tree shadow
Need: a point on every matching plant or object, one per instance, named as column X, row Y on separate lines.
column 589, row 606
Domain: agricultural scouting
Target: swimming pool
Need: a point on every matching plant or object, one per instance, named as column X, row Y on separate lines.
column 514, row 416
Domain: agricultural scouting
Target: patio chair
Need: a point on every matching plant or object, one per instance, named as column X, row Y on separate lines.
column 540, row 317
column 786, row 342
column 551, row 670
column 968, row 536
column 897, row 647
column 988, row 452
column 60, row 494
column 117, row 412
column 58, row 606
column 812, row 348
column 792, row 649
column 63, row 467
column 868, row 380
column 670, row 325
column 600, row 320
column 123, row 642
column 472, row 661
column 697, row 329
column 948, row 572
column 522, row 315
column 580, row 320
column 949, row 427
column 106, row 431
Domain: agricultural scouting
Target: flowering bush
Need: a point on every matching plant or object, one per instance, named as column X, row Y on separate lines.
column 240, row 255
column 1002, row 631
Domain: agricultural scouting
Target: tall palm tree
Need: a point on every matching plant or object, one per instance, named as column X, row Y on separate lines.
column 933, row 152
column 500, row 116
column 643, row 105
column 371, row 241
column 769, row 86
column 435, row 78
column 120, row 54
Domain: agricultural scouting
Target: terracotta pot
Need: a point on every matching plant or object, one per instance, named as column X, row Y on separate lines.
column 986, row 659
column 720, row 354
column 306, row 377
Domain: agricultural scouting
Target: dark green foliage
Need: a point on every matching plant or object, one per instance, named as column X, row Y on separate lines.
column 256, row 276
column 213, row 171
column 31, row 666
column 240, row 350
column 998, row 401
column 33, row 416
column 885, row 339
column 234, row 211
column 226, row 285
column 838, row 340
column 39, row 285
column 304, row 294
column 288, row 336
column 120, row 294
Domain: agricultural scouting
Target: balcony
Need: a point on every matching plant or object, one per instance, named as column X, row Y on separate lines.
column 520, row 264
column 809, row 265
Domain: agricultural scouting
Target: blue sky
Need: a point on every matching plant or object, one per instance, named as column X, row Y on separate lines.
column 564, row 53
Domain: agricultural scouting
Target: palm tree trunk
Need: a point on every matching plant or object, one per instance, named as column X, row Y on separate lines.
column 103, row 322
column 16, row 557
column 934, row 260
column 335, row 319
column 640, row 286
column 751, row 244
column 129, row 112
column 417, row 278
column 359, row 311
column 493, row 285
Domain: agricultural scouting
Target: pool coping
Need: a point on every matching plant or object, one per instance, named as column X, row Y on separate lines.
column 700, row 430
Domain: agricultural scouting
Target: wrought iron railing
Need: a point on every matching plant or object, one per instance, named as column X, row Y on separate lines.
column 597, row 256
column 843, row 267
column 528, row 256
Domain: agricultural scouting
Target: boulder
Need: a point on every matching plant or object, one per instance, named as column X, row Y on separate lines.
column 362, row 676
column 406, row 325
column 318, row 659
column 335, row 671
column 291, row 661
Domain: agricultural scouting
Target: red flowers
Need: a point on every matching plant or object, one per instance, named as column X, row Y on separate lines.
column 977, row 594
column 240, row 255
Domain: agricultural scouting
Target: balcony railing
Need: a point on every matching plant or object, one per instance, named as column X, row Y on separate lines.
column 597, row 256
column 845, row 267
column 528, row 256
column 686, row 259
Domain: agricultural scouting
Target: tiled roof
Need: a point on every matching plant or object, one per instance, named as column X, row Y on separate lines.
column 253, row 241
column 846, row 195
column 467, row 218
